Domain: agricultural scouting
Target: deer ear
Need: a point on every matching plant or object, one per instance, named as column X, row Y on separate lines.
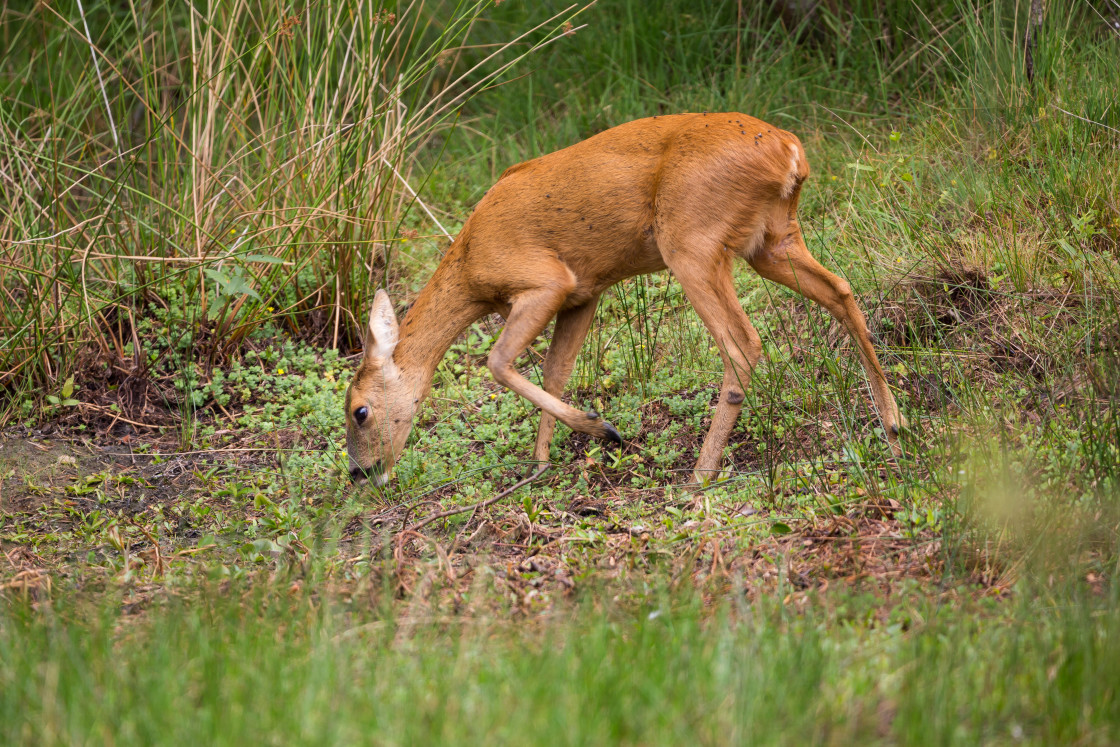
column 383, row 333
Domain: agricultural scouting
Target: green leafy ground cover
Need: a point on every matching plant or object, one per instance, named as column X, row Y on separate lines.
column 184, row 560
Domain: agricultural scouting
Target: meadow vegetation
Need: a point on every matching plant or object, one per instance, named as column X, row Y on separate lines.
column 196, row 206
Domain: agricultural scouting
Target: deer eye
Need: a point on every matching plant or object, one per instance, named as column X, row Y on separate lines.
column 361, row 414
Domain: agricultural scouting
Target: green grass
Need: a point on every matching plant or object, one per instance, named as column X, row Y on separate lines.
column 183, row 559
column 225, row 667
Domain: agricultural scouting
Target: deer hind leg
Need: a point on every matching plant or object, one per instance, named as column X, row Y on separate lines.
column 791, row 264
column 530, row 312
column 567, row 338
column 707, row 283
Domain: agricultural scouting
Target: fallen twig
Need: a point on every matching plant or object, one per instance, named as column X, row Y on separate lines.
column 481, row 504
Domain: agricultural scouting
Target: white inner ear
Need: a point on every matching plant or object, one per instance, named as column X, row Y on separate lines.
column 383, row 332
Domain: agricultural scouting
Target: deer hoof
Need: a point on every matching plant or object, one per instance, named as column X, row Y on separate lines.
column 591, row 414
column 612, row 434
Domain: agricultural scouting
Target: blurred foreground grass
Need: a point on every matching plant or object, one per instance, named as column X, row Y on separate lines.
column 230, row 665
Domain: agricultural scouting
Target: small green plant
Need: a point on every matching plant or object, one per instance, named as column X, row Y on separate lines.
column 65, row 396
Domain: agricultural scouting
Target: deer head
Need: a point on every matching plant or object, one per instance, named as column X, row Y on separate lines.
column 381, row 400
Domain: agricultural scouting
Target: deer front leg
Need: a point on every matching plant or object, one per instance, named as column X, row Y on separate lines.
column 791, row 264
column 529, row 313
column 567, row 338
column 707, row 283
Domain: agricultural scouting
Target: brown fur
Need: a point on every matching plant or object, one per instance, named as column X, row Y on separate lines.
column 689, row 192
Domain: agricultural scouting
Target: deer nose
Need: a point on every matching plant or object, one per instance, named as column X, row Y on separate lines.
column 375, row 472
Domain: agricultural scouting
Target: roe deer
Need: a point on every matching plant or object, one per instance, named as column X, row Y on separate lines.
column 687, row 192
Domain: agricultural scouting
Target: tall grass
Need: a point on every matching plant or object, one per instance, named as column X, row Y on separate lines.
column 224, row 165
column 844, row 63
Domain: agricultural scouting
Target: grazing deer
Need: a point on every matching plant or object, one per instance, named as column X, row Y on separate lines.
column 689, row 192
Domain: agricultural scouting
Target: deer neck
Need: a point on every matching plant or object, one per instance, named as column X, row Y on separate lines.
column 439, row 315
